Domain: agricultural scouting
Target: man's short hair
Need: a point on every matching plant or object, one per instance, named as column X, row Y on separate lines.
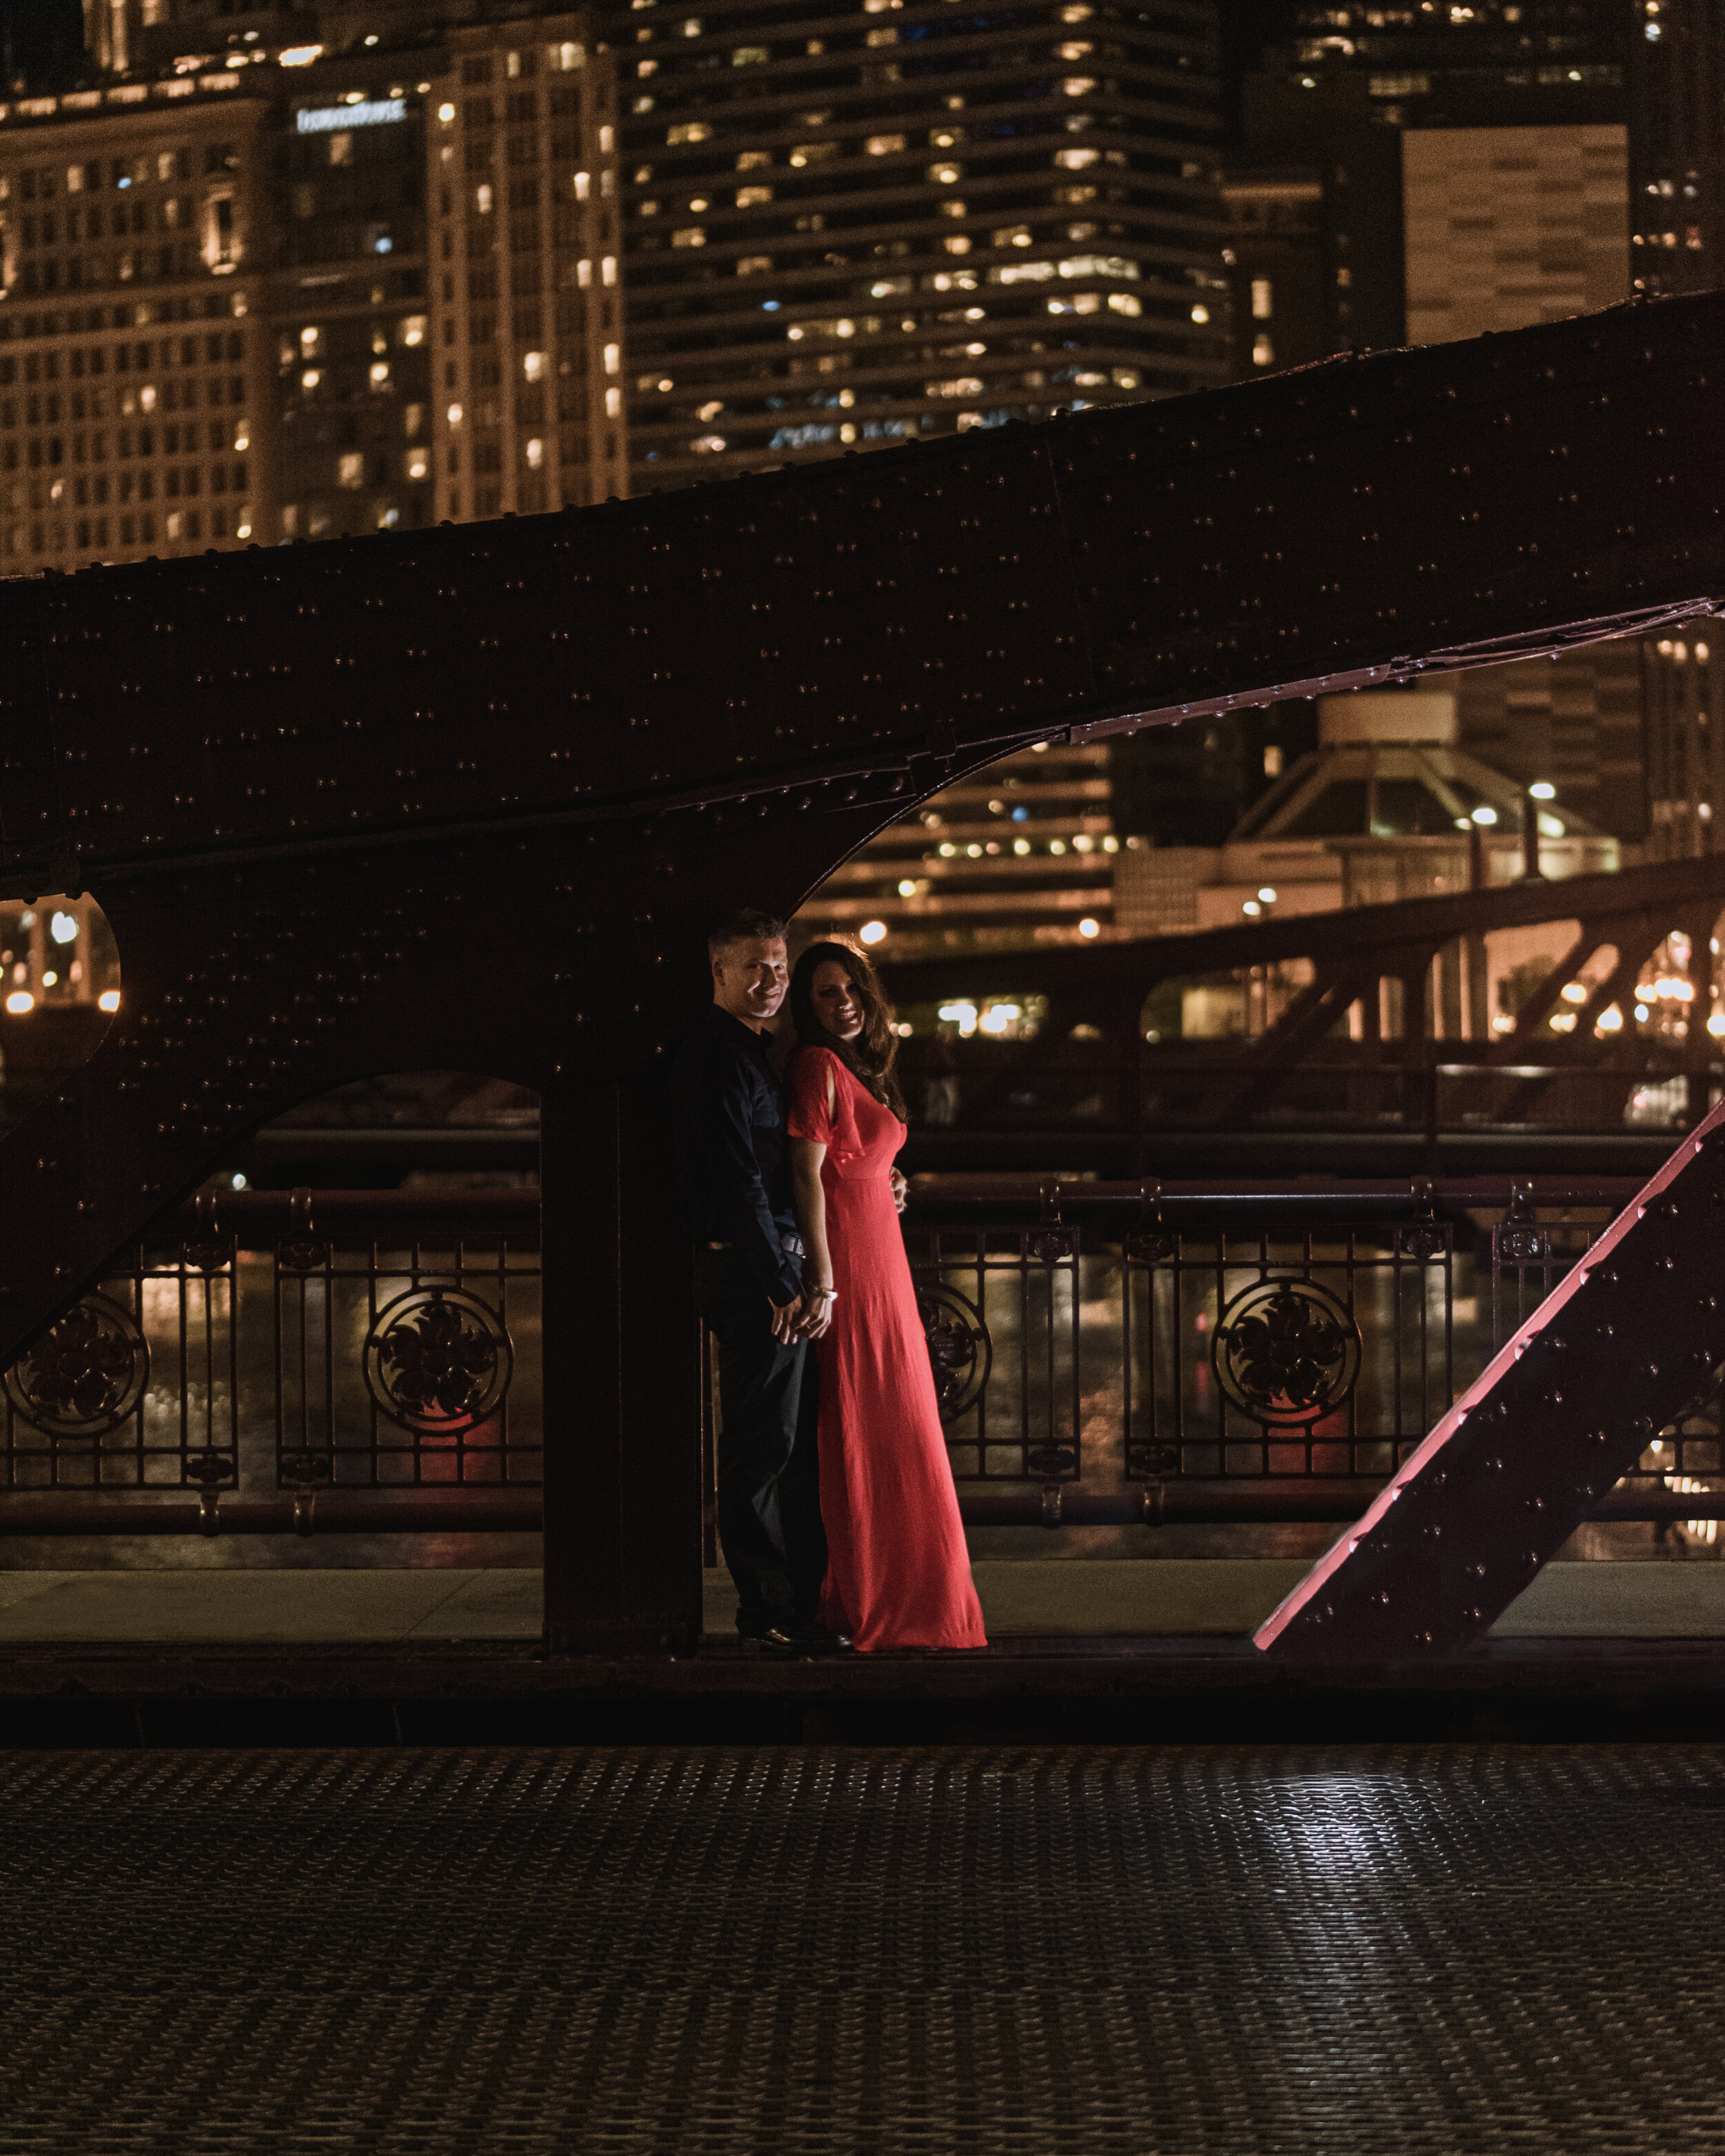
column 747, row 924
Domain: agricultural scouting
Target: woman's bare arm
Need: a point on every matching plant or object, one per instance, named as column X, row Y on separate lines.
column 809, row 1196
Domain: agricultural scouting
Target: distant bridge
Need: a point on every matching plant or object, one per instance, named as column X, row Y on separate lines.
column 1370, row 1048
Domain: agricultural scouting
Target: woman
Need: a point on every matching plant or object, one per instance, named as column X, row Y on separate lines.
column 898, row 1573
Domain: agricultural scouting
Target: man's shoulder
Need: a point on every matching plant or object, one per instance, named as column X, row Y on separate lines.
column 716, row 1044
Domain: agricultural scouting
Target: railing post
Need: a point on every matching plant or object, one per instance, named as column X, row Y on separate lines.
column 621, row 1375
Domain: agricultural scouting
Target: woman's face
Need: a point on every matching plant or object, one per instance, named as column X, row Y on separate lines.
column 837, row 1004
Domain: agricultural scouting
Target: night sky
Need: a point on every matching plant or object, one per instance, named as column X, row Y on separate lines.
column 39, row 37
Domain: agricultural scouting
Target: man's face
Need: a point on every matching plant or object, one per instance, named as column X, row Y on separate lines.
column 750, row 978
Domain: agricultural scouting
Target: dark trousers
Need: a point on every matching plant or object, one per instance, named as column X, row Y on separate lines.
column 769, row 1470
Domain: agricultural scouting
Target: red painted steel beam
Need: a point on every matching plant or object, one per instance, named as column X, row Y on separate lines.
column 1632, row 1338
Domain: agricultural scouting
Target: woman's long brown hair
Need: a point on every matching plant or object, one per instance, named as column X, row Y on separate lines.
column 873, row 1055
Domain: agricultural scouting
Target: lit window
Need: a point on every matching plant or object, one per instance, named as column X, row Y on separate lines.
column 455, row 415
column 883, row 146
column 1088, row 928
column 19, row 1002
column 613, row 358
column 419, row 464
column 446, row 113
column 412, row 330
column 614, row 403
column 1200, row 314
column 350, row 468
column 310, row 339
column 535, row 454
column 311, row 378
column 1263, row 352
column 108, row 1000
column 584, row 186
column 583, row 274
column 380, row 374
column 484, row 197
column 1261, row 299
column 533, row 365
column 608, row 270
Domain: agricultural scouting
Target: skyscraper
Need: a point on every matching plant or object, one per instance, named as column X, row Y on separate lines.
column 136, row 385
column 526, row 289
column 868, row 228
column 1324, row 92
column 218, row 318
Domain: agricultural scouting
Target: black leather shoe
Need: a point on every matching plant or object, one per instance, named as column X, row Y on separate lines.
column 796, row 1637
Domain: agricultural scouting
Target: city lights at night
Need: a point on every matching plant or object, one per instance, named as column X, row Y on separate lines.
column 862, row 1075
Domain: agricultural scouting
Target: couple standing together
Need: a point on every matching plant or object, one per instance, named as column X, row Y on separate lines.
column 837, row 1512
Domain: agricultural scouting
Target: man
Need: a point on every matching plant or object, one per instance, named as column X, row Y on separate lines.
column 748, row 1288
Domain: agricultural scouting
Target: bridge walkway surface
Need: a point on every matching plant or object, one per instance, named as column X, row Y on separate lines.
column 1143, row 1650
column 1022, row 1600
column 806, row 1950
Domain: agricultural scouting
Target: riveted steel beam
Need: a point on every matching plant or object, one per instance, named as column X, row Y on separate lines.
column 1629, row 1339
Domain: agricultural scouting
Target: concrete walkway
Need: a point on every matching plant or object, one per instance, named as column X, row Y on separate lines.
column 1213, row 1597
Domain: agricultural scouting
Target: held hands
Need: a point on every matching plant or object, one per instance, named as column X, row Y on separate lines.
column 901, row 1188
column 817, row 1313
column 806, row 1318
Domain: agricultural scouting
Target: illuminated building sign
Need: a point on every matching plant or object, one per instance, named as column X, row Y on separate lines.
column 327, row 119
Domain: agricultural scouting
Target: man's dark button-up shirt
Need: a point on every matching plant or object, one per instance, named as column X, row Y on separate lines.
column 735, row 1150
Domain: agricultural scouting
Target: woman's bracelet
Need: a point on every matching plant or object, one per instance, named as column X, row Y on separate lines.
column 822, row 1294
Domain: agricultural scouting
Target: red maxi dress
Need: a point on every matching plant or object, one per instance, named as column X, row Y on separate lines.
column 898, row 1573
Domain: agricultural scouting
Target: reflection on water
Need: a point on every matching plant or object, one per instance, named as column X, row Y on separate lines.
column 1108, row 1367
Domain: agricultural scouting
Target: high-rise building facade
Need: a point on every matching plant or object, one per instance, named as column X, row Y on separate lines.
column 220, row 318
column 137, row 381
column 1508, row 226
column 527, row 313
column 1020, row 855
column 1319, row 102
column 859, row 229
column 346, row 297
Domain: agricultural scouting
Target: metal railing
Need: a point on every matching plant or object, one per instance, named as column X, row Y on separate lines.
column 370, row 1361
column 1185, row 1350
column 302, row 1343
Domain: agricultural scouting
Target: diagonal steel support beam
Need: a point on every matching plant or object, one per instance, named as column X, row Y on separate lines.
column 1632, row 1337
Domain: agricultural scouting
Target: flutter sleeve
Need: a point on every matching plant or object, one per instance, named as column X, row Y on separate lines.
column 814, row 1091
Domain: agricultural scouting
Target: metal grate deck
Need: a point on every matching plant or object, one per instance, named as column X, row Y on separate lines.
column 755, row 1951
